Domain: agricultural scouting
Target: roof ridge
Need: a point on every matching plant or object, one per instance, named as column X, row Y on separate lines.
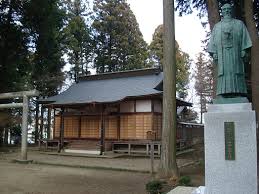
column 121, row 74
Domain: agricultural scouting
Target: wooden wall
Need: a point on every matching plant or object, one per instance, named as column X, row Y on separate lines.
column 157, row 122
column 56, row 127
column 127, row 126
column 130, row 121
column 111, row 127
column 135, row 126
column 90, row 127
column 71, row 126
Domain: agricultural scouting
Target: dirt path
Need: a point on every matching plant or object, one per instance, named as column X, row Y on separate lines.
column 134, row 164
column 41, row 179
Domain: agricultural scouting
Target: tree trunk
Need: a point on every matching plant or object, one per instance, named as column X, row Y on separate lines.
column 168, row 166
column 213, row 17
column 201, row 101
column 213, row 12
column 249, row 19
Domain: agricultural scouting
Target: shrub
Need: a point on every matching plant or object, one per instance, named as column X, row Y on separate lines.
column 185, row 181
column 154, row 187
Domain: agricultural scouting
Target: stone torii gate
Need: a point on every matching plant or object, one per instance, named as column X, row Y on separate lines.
column 25, row 106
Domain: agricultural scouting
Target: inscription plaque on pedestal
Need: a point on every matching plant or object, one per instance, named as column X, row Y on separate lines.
column 229, row 128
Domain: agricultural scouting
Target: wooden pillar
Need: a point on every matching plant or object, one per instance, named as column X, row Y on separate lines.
column 49, row 123
column 152, row 117
column 61, row 131
column 24, row 127
column 118, row 124
column 79, row 126
column 36, row 138
column 118, row 127
column 54, row 123
column 102, row 131
column 41, row 121
column 6, row 133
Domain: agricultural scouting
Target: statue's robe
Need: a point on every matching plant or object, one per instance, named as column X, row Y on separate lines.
column 228, row 40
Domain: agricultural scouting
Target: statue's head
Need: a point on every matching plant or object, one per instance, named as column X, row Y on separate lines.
column 226, row 11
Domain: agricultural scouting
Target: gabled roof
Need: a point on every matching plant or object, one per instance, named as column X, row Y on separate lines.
column 110, row 87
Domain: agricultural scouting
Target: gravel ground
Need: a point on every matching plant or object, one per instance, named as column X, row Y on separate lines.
column 42, row 179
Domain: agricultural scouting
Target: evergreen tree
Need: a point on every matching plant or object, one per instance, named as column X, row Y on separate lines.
column 14, row 62
column 78, row 38
column 119, row 42
column 204, row 81
column 44, row 20
column 182, row 61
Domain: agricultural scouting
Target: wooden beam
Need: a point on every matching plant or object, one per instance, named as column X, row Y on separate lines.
column 11, row 105
column 19, row 94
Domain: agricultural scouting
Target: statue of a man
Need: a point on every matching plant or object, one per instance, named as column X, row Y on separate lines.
column 229, row 46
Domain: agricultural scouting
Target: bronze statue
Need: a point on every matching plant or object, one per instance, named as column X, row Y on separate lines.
column 229, row 45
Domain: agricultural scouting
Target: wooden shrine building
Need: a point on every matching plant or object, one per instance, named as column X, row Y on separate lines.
column 103, row 109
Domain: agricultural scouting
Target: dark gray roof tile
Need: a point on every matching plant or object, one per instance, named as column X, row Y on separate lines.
column 108, row 90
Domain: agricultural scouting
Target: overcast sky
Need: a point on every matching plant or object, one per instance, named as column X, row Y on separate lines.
column 189, row 31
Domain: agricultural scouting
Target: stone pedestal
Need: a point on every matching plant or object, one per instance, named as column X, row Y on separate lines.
column 230, row 149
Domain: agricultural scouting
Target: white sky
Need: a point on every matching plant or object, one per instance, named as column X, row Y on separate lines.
column 188, row 29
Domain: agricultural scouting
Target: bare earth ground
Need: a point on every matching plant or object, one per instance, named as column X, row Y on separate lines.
column 136, row 164
column 56, row 179
column 42, row 179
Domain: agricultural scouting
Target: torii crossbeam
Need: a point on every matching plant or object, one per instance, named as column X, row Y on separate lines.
column 25, row 106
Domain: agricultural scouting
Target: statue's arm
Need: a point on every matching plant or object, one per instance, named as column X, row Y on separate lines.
column 246, row 43
column 212, row 49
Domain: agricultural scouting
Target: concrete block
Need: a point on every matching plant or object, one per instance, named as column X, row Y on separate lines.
column 238, row 176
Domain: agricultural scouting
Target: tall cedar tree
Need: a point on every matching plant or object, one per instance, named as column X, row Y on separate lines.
column 119, row 42
column 13, row 48
column 78, row 40
column 246, row 10
column 14, row 63
column 182, row 61
column 44, row 20
column 204, row 81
